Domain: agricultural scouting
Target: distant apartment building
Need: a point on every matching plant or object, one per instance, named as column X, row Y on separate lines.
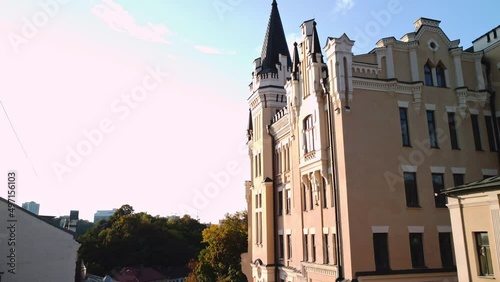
column 103, row 214
column 33, row 249
column 349, row 153
column 32, row 207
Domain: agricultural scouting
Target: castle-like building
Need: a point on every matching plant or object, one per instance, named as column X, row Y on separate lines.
column 349, row 153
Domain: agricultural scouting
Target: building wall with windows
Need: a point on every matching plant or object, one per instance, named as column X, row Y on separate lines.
column 349, row 154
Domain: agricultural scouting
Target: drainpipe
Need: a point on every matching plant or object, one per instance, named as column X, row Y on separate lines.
column 333, row 161
column 275, row 225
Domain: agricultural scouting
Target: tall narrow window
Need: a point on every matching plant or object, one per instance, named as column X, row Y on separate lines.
column 428, row 75
column 313, row 245
column 483, row 254
column 453, row 130
column 446, row 249
column 289, row 246
column 411, row 189
column 417, row 250
column 323, row 185
column 381, row 251
column 458, row 179
column 306, row 248
column 405, row 132
column 288, row 206
column 257, row 239
column 327, row 249
column 281, row 246
column 308, row 134
column 304, row 197
column 440, row 77
column 311, row 198
column 280, row 202
column 476, row 132
column 431, row 123
column 491, row 134
column 438, row 184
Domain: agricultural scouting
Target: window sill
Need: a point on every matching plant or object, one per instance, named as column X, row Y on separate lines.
column 414, row 207
column 486, row 277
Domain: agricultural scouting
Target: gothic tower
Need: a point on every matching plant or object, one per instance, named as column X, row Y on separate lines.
column 267, row 97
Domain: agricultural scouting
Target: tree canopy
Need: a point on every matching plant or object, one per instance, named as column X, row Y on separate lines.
column 129, row 239
column 220, row 260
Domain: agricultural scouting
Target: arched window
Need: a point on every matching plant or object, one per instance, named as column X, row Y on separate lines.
column 428, row 74
column 440, row 77
column 308, row 134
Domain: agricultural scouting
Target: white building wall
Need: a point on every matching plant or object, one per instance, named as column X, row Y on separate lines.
column 42, row 252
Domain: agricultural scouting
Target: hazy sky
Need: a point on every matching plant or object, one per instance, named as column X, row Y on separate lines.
column 144, row 102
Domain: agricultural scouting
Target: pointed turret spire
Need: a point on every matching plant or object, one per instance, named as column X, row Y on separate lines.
column 250, row 125
column 274, row 42
column 296, row 62
column 315, row 48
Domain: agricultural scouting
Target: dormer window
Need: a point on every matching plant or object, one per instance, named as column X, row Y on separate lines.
column 440, row 76
column 428, row 74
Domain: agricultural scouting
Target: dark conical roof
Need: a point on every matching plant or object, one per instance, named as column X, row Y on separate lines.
column 296, row 62
column 274, row 42
column 315, row 48
column 250, row 125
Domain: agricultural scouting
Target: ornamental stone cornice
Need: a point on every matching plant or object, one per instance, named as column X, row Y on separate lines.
column 464, row 95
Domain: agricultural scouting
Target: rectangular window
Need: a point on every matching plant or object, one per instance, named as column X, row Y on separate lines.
column 281, row 246
column 483, row 254
column 446, row 249
column 431, row 123
column 453, row 131
column 304, row 197
column 306, row 248
column 405, row 131
column 438, row 184
column 311, row 198
column 411, row 189
column 257, row 228
column 417, row 250
column 280, row 202
column 325, row 202
column 491, row 134
column 476, row 132
column 381, row 251
column 289, row 246
column 288, row 201
column 313, row 244
column 458, row 179
column 327, row 249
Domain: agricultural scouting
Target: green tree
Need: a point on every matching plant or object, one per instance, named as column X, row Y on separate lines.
column 129, row 239
column 220, row 260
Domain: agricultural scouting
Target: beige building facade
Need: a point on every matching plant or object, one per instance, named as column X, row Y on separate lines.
column 474, row 207
column 349, row 154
